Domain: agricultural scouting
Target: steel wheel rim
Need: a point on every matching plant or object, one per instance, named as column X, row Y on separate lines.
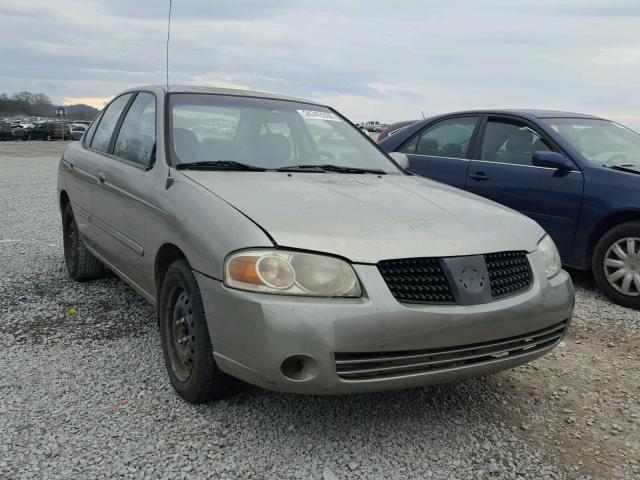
column 622, row 266
column 181, row 333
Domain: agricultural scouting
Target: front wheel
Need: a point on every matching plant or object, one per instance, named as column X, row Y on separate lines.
column 186, row 344
column 49, row 137
column 616, row 264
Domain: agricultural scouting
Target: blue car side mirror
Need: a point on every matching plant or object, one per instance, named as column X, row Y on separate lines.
column 551, row 160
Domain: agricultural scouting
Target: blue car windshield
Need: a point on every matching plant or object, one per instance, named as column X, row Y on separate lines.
column 601, row 142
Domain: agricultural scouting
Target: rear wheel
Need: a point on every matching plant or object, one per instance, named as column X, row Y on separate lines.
column 186, row 344
column 49, row 137
column 616, row 264
column 81, row 264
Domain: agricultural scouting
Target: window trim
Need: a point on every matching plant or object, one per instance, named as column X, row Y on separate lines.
column 116, row 132
column 472, row 140
column 521, row 121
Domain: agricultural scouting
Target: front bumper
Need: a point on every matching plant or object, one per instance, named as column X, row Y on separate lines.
column 253, row 334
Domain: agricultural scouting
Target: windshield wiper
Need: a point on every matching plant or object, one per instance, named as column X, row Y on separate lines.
column 331, row 168
column 627, row 167
column 219, row 165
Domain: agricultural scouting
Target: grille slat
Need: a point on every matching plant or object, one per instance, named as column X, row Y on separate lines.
column 423, row 280
column 351, row 366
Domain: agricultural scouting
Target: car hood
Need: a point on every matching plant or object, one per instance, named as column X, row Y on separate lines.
column 368, row 218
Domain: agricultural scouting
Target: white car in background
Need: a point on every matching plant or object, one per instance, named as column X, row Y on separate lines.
column 77, row 130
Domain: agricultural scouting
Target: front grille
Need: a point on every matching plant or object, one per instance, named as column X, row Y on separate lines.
column 509, row 273
column 423, row 280
column 419, row 280
column 372, row 365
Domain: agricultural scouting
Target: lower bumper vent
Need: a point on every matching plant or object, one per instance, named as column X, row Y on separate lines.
column 367, row 366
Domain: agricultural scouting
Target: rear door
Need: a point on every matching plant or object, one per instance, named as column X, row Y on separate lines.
column 502, row 171
column 124, row 185
column 79, row 164
column 440, row 150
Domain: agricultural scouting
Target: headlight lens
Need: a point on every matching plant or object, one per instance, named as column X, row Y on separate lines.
column 291, row 273
column 550, row 256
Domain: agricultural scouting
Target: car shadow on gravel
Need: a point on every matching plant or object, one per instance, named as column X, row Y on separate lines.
column 582, row 280
column 430, row 425
column 439, row 409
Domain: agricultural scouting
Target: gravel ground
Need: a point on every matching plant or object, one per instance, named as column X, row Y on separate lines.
column 84, row 394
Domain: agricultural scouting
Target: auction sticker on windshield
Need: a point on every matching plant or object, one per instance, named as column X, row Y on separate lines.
column 317, row 115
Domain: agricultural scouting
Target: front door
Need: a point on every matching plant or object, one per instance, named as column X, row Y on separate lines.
column 124, row 187
column 440, row 150
column 503, row 172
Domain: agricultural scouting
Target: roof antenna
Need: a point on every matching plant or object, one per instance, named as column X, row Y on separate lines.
column 421, row 111
column 168, row 32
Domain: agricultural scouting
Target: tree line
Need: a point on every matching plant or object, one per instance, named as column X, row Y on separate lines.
column 39, row 104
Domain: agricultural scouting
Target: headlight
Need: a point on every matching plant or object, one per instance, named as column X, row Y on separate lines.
column 291, row 273
column 550, row 256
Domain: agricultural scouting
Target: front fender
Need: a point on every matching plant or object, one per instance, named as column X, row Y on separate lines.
column 201, row 224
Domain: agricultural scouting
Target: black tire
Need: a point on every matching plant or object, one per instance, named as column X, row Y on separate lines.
column 81, row 264
column 601, row 252
column 186, row 344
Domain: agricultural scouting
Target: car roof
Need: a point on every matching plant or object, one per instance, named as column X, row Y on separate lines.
column 223, row 91
column 531, row 112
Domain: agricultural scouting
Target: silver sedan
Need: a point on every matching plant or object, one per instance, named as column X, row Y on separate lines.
column 281, row 247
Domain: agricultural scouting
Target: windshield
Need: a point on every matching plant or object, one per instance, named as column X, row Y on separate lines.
column 265, row 133
column 601, row 142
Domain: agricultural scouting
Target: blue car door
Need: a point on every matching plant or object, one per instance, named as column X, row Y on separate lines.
column 440, row 150
column 502, row 170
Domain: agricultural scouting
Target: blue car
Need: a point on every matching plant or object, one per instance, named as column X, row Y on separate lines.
column 577, row 175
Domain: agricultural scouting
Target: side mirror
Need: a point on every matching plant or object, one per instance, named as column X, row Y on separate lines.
column 401, row 159
column 551, row 160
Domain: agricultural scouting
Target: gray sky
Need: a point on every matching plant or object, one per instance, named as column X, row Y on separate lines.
column 371, row 60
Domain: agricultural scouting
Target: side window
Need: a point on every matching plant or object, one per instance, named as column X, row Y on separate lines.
column 102, row 137
column 137, row 135
column 92, row 129
column 506, row 142
column 447, row 138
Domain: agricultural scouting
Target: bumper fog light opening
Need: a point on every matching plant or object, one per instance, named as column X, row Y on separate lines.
column 300, row 368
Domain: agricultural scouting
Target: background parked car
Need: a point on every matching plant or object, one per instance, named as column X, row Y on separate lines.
column 12, row 132
column 392, row 129
column 50, row 131
column 77, row 130
column 374, row 126
column 576, row 175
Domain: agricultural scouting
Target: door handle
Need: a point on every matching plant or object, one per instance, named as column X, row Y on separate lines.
column 479, row 176
column 101, row 177
column 66, row 164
